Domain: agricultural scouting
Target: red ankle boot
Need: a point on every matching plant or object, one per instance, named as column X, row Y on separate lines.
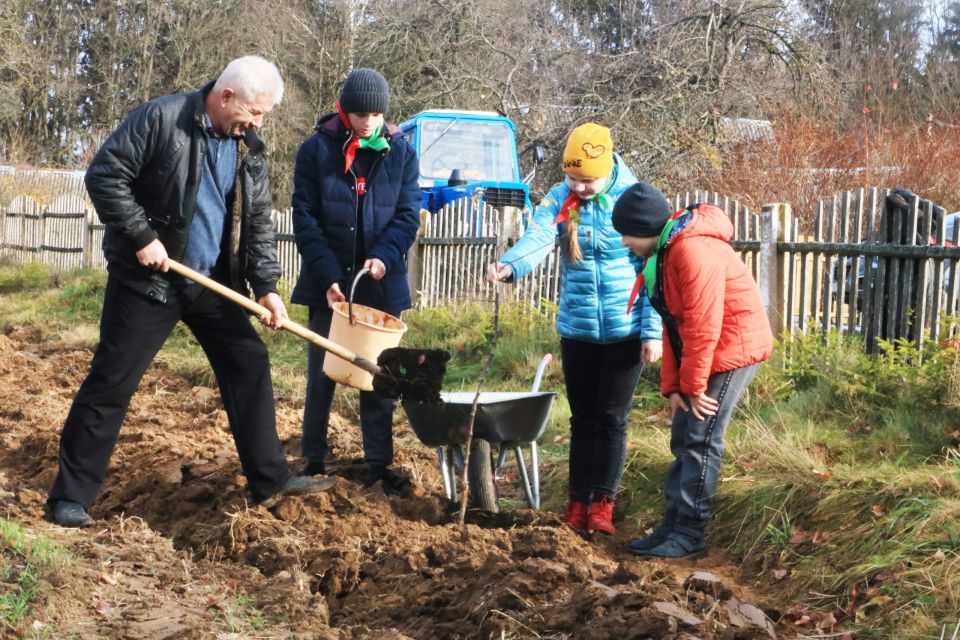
column 576, row 516
column 601, row 516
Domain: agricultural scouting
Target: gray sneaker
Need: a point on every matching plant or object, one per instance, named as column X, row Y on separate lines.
column 298, row 486
column 677, row 547
column 655, row 539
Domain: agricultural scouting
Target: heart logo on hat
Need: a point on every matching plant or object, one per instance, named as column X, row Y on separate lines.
column 593, row 151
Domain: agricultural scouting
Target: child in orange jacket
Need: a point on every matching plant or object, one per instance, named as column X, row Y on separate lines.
column 717, row 332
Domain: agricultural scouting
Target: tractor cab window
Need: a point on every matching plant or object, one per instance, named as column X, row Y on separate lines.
column 481, row 150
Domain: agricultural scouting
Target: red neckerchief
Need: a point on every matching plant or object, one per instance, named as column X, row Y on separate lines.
column 637, row 286
column 354, row 143
column 572, row 203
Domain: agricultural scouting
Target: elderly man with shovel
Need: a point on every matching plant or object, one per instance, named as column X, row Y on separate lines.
column 184, row 178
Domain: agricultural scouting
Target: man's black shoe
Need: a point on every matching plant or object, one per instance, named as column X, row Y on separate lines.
column 298, row 486
column 71, row 514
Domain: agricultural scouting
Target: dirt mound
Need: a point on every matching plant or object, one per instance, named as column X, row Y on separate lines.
column 350, row 563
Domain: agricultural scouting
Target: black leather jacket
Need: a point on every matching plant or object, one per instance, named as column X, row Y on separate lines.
column 143, row 183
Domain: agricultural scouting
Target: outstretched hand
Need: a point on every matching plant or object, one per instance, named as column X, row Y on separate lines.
column 499, row 272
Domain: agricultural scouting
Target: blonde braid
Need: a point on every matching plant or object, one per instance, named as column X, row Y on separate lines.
column 573, row 241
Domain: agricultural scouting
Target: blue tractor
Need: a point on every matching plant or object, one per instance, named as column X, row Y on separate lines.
column 469, row 154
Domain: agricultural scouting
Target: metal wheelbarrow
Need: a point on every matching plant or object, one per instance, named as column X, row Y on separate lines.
column 508, row 420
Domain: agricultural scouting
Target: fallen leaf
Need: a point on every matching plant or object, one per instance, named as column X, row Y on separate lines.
column 794, row 613
column 877, row 510
column 871, row 607
column 104, row 607
column 825, row 621
column 106, row 578
column 820, row 536
column 798, row 538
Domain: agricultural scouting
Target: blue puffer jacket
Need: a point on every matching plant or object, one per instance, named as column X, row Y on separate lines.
column 594, row 292
column 324, row 216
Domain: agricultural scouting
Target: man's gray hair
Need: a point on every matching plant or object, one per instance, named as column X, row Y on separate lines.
column 251, row 77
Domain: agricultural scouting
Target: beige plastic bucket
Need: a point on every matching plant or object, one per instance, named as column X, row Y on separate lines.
column 372, row 332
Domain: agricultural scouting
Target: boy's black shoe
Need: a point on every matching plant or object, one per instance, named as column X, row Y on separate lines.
column 392, row 483
column 71, row 514
column 314, row 468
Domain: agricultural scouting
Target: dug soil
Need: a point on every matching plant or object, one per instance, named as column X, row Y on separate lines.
column 178, row 551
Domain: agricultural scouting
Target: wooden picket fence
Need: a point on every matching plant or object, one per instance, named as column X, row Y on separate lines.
column 865, row 267
column 858, row 265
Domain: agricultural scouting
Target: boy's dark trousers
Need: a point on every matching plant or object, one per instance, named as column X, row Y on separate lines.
column 697, row 446
column 600, row 381
column 376, row 412
column 132, row 330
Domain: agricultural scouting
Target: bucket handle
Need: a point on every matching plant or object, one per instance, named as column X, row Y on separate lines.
column 353, row 287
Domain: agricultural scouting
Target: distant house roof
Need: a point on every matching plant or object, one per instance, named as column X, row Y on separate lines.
column 745, row 130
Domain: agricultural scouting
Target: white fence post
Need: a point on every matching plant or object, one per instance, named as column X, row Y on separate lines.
column 771, row 275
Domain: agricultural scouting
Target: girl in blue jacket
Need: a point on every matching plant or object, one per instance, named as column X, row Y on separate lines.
column 356, row 204
column 603, row 344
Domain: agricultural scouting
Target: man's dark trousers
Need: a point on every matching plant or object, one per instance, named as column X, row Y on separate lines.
column 132, row 330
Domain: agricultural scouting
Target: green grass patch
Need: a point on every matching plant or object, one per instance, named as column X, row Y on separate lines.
column 27, row 558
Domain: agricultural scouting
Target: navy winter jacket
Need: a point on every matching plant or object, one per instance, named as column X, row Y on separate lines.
column 325, row 216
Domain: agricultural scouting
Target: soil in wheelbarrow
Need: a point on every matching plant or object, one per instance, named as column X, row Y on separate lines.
column 178, row 552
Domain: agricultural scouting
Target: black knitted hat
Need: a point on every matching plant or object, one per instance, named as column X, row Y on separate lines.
column 641, row 211
column 365, row 91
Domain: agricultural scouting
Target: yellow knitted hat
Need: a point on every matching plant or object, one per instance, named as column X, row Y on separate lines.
column 589, row 151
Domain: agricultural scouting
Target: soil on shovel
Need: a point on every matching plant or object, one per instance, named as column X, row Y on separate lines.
column 411, row 374
column 177, row 551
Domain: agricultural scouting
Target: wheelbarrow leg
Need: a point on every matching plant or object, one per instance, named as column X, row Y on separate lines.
column 501, row 459
column 532, row 492
column 446, row 472
column 535, row 462
column 454, row 464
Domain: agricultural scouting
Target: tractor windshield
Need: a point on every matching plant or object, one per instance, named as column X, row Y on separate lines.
column 481, row 150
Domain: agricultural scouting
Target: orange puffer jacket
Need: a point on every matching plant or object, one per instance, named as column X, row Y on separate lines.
column 714, row 307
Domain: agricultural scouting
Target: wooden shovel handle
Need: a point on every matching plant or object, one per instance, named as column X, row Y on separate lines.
column 262, row 312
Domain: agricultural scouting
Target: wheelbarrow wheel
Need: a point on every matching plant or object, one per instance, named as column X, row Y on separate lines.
column 483, row 486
